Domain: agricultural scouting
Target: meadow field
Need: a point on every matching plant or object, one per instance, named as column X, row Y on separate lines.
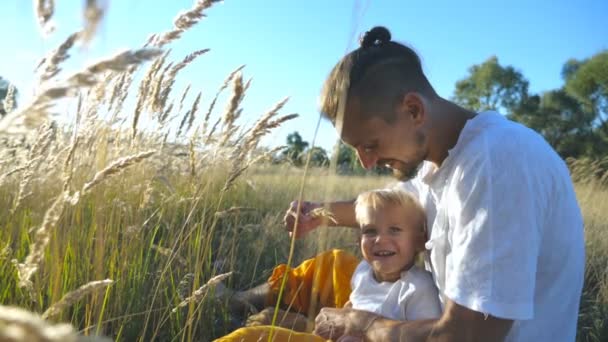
column 113, row 230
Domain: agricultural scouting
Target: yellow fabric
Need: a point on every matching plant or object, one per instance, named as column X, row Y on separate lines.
column 261, row 333
column 323, row 281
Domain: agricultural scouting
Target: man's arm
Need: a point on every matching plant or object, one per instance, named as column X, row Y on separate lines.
column 456, row 324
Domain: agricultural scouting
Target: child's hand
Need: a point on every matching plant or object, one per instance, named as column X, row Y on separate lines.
column 306, row 220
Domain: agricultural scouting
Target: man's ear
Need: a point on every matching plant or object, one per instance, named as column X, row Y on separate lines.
column 413, row 106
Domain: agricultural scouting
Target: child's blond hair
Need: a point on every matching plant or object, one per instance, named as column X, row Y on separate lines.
column 376, row 199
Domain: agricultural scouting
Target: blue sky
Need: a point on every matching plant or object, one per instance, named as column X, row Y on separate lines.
column 290, row 46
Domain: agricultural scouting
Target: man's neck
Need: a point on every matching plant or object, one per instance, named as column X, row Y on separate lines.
column 448, row 121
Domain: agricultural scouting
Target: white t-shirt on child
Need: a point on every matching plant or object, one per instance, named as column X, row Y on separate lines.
column 414, row 296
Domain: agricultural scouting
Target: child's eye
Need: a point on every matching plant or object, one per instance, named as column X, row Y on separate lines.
column 395, row 229
column 368, row 231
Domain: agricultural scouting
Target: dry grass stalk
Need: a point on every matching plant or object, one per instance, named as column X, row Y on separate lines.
column 9, row 101
column 39, row 150
column 33, row 260
column 11, row 172
column 56, row 57
column 92, row 16
column 217, row 94
column 183, row 22
column 263, row 126
column 119, row 62
column 192, row 157
column 114, row 168
column 144, row 85
column 193, row 110
column 185, row 286
column 183, row 97
column 232, row 113
column 232, row 211
column 323, row 213
column 37, row 111
column 170, row 254
column 72, row 297
column 169, row 80
column 238, row 167
column 44, row 11
column 199, row 294
column 68, row 170
column 162, row 119
column 17, row 324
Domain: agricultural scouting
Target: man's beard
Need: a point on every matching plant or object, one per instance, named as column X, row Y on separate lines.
column 405, row 175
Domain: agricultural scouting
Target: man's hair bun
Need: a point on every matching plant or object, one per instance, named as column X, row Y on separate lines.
column 377, row 36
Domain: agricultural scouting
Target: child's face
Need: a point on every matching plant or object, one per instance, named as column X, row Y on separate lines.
column 390, row 240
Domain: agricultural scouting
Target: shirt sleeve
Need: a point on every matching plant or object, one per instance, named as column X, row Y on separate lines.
column 495, row 222
column 424, row 301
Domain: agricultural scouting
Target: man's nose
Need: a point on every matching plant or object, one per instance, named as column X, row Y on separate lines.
column 367, row 159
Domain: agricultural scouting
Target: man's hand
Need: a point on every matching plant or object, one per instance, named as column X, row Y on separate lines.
column 335, row 323
column 306, row 222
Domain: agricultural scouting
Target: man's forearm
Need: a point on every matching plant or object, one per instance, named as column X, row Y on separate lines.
column 411, row 331
column 344, row 214
column 449, row 328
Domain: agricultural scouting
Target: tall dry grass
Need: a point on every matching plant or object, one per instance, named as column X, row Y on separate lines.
column 161, row 210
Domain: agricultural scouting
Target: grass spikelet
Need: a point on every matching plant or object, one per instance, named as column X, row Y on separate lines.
column 199, row 294
column 233, row 211
column 44, row 11
column 323, row 213
column 46, row 135
column 167, row 85
column 193, row 111
column 56, row 57
column 72, row 297
column 11, row 172
column 9, row 100
column 33, row 260
column 114, row 168
column 185, row 286
column 170, row 254
column 93, row 13
column 232, row 113
column 217, row 94
column 183, row 22
column 183, row 97
column 17, row 324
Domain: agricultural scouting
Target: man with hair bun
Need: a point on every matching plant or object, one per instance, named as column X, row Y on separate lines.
column 506, row 246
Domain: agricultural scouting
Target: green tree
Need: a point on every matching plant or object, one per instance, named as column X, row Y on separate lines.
column 588, row 83
column 347, row 161
column 562, row 121
column 318, row 157
column 490, row 85
column 295, row 147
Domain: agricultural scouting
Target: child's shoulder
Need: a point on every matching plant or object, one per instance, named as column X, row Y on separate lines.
column 418, row 276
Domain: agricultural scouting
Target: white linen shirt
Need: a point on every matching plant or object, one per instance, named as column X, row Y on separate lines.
column 506, row 236
column 413, row 296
